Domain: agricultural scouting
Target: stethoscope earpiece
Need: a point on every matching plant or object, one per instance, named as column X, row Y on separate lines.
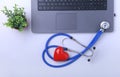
column 94, row 48
column 89, row 60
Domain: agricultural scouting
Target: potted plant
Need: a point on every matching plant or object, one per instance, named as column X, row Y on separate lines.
column 16, row 18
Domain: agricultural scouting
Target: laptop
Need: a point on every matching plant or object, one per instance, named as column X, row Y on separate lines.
column 70, row 16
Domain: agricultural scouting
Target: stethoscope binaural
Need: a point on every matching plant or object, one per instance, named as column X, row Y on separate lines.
column 103, row 27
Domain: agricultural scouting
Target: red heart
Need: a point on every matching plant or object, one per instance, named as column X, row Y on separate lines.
column 60, row 54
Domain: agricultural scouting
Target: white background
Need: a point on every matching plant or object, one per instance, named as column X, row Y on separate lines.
column 20, row 52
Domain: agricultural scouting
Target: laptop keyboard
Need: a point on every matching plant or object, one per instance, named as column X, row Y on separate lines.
column 66, row 5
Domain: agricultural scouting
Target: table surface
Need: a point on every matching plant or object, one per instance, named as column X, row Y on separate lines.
column 20, row 52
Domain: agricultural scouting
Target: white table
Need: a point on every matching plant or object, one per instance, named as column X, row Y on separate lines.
column 20, row 52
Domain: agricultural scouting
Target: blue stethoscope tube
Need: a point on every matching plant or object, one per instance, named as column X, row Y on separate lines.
column 74, row 58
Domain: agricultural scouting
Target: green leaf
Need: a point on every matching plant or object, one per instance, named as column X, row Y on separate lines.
column 16, row 18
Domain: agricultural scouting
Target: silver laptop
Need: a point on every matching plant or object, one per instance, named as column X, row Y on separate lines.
column 70, row 16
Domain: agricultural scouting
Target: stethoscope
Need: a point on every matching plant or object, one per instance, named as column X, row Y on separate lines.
column 69, row 60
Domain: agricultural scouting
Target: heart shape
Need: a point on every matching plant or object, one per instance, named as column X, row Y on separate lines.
column 60, row 54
